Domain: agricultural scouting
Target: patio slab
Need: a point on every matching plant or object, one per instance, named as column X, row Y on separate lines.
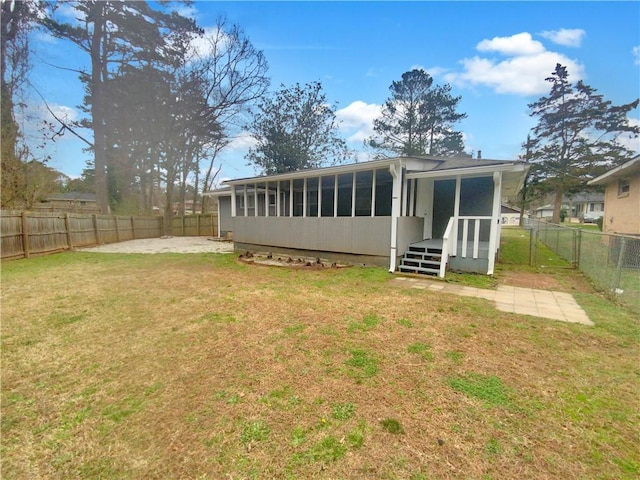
column 524, row 301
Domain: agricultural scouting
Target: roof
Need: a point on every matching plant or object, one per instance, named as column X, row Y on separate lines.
column 584, row 197
column 85, row 197
column 632, row 167
column 508, row 209
column 415, row 165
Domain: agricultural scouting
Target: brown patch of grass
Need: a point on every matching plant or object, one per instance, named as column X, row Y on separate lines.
column 195, row 366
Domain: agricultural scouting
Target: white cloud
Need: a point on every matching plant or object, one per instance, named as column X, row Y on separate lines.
column 636, row 54
column 356, row 120
column 241, row 142
column 522, row 72
column 519, row 44
column 70, row 14
column 569, row 37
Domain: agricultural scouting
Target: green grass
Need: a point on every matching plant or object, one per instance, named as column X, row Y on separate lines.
column 489, row 389
column 254, row 431
column 422, row 350
column 392, row 425
column 195, row 366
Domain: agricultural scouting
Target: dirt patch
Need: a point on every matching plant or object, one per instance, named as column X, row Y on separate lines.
column 288, row 262
column 166, row 245
column 568, row 281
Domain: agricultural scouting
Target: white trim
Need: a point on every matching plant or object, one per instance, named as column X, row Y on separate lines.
column 353, row 194
column 456, row 214
column 468, row 171
column 335, row 196
column 396, row 210
column 612, row 173
column 494, row 231
column 291, row 197
column 326, row 171
column 233, row 201
column 304, row 197
column 319, row 196
column 373, row 194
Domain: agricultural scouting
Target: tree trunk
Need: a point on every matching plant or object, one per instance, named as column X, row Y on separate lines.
column 97, row 110
column 168, row 210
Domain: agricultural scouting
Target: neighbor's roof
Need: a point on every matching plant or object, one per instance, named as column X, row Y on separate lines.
column 415, row 165
column 72, row 196
column 630, row 168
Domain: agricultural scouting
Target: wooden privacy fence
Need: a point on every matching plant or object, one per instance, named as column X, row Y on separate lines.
column 204, row 224
column 39, row 233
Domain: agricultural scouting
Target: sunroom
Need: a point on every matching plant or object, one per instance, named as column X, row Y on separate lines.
column 411, row 214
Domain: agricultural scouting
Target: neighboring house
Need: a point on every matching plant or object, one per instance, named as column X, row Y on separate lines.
column 509, row 216
column 586, row 206
column 413, row 214
column 622, row 198
column 71, row 202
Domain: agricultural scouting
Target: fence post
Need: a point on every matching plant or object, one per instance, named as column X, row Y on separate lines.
column 531, row 233
column 213, row 230
column 115, row 219
column 183, row 225
column 198, row 224
column 25, row 234
column 67, row 226
column 616, row 277
column 95, row 227
column 578, row 247
column 133, row 228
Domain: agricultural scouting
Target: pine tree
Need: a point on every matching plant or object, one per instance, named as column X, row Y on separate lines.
column 576, row 137
column 418, row 119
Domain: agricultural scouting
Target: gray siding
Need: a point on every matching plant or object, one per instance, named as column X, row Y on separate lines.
column 355, row 235
column 226, row 223
column 409, row 231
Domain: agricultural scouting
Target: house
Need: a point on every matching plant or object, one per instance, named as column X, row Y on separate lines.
column 584, row 206
column 510, row 217
column 412, row 214
column 72, row 202
column 622, row 198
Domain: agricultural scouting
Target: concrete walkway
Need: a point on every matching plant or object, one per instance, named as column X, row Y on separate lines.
column 525, row 301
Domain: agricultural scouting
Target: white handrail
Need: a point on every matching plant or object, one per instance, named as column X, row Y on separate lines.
column 447, row 240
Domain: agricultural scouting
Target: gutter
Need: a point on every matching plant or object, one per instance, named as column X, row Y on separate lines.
column 396, row 172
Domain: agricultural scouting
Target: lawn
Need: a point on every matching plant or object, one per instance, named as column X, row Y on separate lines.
column 196, row 366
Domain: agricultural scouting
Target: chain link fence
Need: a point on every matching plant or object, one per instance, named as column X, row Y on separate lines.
column 611, row 261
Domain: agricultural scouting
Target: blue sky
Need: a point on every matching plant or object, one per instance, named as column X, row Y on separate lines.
column 495, row 55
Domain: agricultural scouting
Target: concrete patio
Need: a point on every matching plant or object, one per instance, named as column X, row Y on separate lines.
column 525, row 301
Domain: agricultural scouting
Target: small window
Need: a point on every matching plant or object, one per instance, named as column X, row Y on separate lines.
column 623, row 187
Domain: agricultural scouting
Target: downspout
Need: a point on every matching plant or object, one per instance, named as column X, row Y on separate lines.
column 396, row 173
column 494, row 232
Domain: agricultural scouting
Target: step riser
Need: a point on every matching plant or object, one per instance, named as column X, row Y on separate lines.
column 420, row 263
column 421, row 260
column 424, row 271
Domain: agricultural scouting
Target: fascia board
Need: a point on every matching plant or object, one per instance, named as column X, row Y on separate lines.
column 467, row 171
